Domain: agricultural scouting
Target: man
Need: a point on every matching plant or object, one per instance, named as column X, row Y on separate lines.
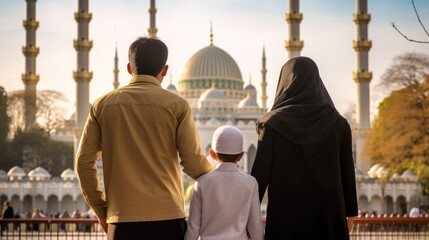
column 139, row 129
column 7, row 212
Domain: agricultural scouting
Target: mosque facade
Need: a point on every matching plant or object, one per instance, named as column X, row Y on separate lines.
column 212, row 83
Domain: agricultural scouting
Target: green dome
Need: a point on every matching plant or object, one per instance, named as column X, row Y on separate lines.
column 211, row 65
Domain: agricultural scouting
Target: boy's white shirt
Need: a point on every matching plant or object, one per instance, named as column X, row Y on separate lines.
column 224, row 204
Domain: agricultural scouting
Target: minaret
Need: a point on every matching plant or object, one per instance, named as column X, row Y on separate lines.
column 264, row 81
column 30, row 51
column 294, row 18
column 82, row 75
column 211, row 33
column 152, row 11
column 362, row 77
column 116, row 70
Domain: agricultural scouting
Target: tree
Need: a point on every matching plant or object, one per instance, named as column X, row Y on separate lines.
column 350, row 115
column 50, row 111
column 407, row 70
column 399, row 138
column 420, row 22
column 4, row 126
column 33, row 148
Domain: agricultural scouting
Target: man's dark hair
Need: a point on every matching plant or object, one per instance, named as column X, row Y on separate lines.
column 227, row 157
column 147, row 56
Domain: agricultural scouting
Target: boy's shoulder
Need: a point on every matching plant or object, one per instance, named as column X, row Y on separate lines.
column 216, row 175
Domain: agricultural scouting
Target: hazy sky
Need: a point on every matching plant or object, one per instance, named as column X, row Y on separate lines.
column 240, row 27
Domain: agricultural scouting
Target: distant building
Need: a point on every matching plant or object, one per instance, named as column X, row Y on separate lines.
column 401, row 192
column 212, row 83
column 38, row 190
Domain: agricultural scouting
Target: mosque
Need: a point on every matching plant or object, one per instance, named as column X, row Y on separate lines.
column 212, row 83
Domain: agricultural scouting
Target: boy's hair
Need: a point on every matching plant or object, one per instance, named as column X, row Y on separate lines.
column 227, row 157
column 147, row 56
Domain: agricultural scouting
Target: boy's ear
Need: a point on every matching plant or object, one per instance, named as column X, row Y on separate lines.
column 213, row 154
column 239, row 157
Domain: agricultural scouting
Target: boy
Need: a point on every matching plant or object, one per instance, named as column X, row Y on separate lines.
column 225, row 203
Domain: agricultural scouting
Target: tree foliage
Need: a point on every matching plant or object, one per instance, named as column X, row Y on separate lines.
column 4, row 125
column 407, row 70
column 50, row 110
column 399, row 138
column 350, row 115
column 33, row 148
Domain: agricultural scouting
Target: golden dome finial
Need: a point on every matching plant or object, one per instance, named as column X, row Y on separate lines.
column 211, row 33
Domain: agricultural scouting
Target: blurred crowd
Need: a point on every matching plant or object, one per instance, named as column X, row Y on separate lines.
column 8, row 213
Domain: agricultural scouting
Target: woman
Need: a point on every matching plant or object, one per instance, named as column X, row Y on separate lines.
column 304, row 157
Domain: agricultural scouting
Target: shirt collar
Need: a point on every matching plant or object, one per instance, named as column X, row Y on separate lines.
column 227, row 166
column 144, row 79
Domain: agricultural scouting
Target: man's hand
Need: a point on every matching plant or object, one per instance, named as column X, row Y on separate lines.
column 103, row 224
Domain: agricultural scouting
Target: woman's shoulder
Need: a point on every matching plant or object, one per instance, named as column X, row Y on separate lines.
column 343, row 122
column 342, row 126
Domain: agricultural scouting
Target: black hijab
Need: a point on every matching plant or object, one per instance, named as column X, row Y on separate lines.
column 303, row 111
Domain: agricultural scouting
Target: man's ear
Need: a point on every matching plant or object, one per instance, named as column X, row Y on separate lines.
column 130, row 71
column 164, row 70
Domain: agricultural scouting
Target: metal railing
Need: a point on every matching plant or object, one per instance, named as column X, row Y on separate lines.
column 364, row 228
column 390, row 228
column 50, row 229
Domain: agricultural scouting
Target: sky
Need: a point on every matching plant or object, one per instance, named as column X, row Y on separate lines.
column 240, row 27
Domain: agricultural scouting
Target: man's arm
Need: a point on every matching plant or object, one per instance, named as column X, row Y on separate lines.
column 193, row 161
column 87, row 154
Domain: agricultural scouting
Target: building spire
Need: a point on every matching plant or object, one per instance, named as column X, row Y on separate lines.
column 294, row 18
column 30, row 77
column 211, row 33
column 362, row 76
column 264, row 80
column 152, row 30
column 116, row 70
column 82, row 75
column 250, row 78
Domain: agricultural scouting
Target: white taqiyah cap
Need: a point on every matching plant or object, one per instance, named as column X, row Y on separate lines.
column 227, row 140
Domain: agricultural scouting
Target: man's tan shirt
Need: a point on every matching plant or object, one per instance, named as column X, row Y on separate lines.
column 140, row 130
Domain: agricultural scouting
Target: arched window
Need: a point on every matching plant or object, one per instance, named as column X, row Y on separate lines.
column 363, row 204
column 401, row 205
column 53, row 205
